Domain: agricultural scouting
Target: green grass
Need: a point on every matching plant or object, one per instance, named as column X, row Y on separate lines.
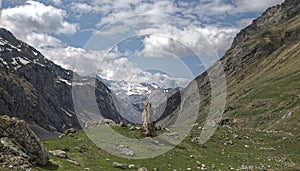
column 215, row 156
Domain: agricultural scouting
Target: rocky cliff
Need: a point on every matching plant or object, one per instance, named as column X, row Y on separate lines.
column 40, row 92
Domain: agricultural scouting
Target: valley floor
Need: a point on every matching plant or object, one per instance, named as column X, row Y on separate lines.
column 228, row 149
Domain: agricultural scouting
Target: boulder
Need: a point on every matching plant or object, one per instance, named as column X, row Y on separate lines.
column 124, row 150
column 143, row 169
column 122, row 123
column 19, row 146
column 131, row 166
column 59, row 153
column 68, row 132
column 119, row 165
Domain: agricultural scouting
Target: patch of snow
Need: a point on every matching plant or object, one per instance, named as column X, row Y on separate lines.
column 69, row 114
column 35, row 53
column 19, row 60
column 65, row 81
column 3, row 42
column 5, row 63
column 35, row 62
column 14, row 61
column 24, row 60
column 77, row 83
column 14, row 47
column 17, row 67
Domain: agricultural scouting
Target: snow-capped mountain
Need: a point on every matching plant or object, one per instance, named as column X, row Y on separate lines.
column 124, row 88
column 133, row 97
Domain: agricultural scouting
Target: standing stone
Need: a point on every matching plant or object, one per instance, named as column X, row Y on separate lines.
column 148, row 121
column 122, row 123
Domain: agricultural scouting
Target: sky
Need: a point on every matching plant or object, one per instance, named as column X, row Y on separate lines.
column 165, row 42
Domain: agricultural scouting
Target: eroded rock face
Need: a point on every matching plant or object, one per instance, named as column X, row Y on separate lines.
column 148, row 121
column 19, row 145
column 40, row 92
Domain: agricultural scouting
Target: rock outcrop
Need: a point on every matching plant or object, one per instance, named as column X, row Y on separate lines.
column 19, row 146
column 148, row 121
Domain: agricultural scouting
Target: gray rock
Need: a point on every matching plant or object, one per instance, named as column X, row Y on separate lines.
column 59, row 153
column 124, row 150
column 19, row 144
column 228, row 142
column 236, row 136
column 122, row 123
column 74, row 162
column 143, row 169
column 119, row 165
column 70, row 131
column 287, row 115
column 93, row 124
column 131, row 166
column 173, row 134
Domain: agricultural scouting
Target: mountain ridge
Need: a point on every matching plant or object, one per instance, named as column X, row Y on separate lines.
column 255, row 48
column 35, row 89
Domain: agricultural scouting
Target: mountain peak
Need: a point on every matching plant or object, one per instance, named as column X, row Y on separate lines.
column 271, row 16
column 5, row 34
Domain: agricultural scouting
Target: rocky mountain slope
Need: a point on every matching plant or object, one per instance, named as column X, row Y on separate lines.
column 262, row 74
column 37, row 90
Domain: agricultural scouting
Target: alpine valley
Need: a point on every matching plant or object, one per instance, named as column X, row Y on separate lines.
column 259, row 129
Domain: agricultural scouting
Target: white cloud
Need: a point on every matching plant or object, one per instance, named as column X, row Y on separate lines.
column 82, row 61
column 111, row 10
column 183, row 42
column 82, row 7
column 243, row 6
column 34, row 22
column 122, row 69
column 57, row 2
column 160, row 46
column 244, row 22
column 191, row 12
column 36, row 17
column 42, row 40
column 111, row 66
column 220, row 7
